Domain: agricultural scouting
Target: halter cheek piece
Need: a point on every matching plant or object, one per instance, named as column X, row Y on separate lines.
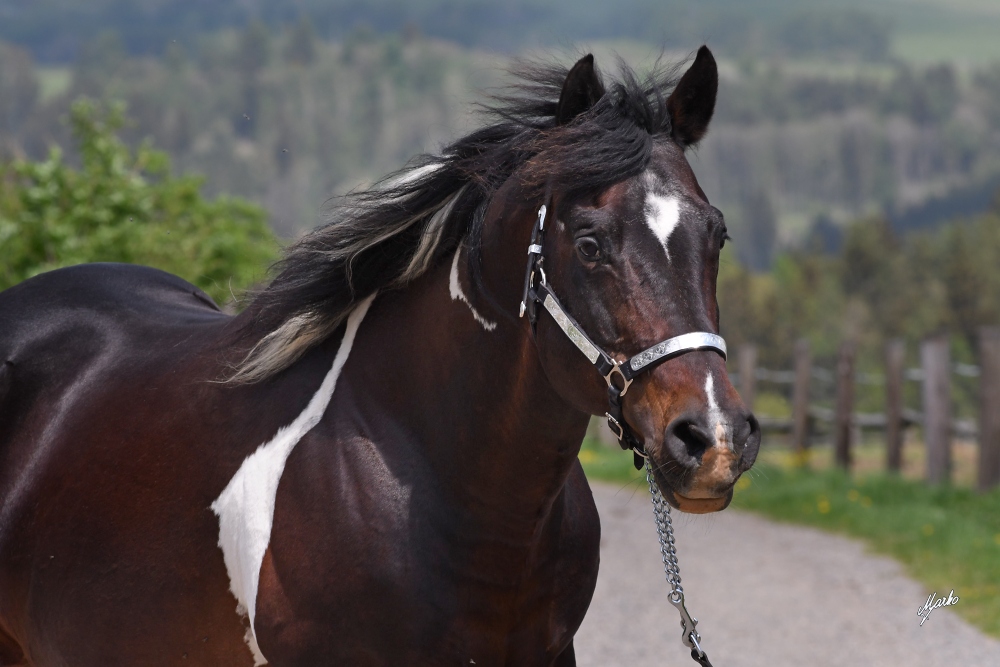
column 618, row 374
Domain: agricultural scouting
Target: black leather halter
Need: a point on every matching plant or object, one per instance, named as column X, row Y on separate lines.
column 606, row 365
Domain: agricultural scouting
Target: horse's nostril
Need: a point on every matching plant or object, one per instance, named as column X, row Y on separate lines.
column 747, row 442
column 687, row 441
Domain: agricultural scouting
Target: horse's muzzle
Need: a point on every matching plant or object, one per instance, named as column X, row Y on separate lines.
column 703, row 461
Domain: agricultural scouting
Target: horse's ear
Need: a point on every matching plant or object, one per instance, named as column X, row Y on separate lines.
column 580, row 91
column 693, row 101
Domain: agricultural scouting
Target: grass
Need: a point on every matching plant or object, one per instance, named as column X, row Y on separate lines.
column 609, row 464
column 947, row 537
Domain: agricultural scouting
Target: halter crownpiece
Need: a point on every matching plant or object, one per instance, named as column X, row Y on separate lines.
column 606, row 365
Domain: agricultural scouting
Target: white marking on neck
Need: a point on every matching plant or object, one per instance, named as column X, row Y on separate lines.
column 455, row 287
column 246, row 506
column 662, row 216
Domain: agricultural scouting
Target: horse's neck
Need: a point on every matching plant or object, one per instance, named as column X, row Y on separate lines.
column 476, row 399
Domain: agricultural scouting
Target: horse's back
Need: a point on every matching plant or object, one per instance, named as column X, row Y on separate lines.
column 62, row 330
column 102, row 383
column 80, row 295
column 59, row 325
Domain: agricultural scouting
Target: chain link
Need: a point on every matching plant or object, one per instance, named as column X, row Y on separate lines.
column 668, row 552
column 665, row 531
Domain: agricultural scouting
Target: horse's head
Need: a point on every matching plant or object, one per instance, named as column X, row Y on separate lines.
column 635, row 264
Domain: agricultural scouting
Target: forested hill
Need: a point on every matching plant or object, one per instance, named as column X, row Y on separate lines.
column 54, row 30
column 281, row 116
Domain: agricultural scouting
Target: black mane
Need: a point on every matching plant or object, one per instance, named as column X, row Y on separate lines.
column 385, row 236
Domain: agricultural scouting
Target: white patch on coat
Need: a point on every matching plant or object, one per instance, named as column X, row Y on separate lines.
column 251, row 641
column 246, row 506
column 662, row 215
column 455, row 287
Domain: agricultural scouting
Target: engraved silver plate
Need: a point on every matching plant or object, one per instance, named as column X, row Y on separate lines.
column 570, row 329
column 699, row 340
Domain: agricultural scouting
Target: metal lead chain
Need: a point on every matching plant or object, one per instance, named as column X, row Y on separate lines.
column 665, row 531
column 668, row 552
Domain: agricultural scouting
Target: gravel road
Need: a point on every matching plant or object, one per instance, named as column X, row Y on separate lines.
column 766, row 594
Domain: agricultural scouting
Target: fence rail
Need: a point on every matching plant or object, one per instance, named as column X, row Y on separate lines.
column 844, row 422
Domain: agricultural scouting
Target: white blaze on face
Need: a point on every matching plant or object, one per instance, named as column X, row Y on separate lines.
column 715, row 419
column 662, row 215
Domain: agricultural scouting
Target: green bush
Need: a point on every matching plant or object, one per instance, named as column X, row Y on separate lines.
column 121, row 206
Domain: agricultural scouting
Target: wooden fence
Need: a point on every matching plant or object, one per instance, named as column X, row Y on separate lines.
column 844, row 422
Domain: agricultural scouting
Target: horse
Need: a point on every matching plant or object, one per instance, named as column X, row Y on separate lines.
column 375, row 461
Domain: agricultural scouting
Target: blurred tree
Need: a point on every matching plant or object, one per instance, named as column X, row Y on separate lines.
column 825, row 236
column 122, row 206
column 361, row 35
column 282, row 150
column 300, row 43
column 874, row 274
column 760, row 230
column 850, row 33
column 18, row 90
column 926, row 96
column 867, row 244
column 100, row 60
column 247, row 122
column 744, row 298
column 970, row 255
column 254, row 52
column 987, row 85
column 253, row 55
column 175, row 57
column 368, row 113
column 940, row 87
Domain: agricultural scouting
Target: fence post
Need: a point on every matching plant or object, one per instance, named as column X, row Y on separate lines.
column 895, row 358
column 800, row 397
column 989, row 408
column 844, row 418
column 748, row 374
column 936, row 362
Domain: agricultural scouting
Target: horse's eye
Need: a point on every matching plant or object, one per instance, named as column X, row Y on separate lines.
column 588, row 248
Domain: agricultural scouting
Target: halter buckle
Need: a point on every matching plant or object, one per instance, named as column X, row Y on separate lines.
column 626, row 383
column 616, row 429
